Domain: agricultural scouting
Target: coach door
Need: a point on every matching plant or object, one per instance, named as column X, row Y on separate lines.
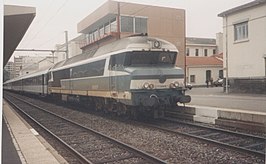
column 43, row 83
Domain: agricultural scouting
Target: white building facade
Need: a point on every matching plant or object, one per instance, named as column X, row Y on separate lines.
column 26, row 64
column 200, row 47
column 244, row 29
column 202, row 69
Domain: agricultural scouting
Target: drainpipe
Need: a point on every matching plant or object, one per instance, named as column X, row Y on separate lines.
column 226, row 55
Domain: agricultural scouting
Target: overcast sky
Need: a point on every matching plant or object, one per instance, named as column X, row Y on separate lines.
column 53, row 17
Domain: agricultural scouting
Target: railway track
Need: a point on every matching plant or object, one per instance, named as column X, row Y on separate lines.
column 88, row 145
column 234, row 140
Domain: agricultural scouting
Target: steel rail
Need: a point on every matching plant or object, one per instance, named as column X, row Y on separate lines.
column 79, row 156
column 258, row 153
column 214, row 128
column 142, row 154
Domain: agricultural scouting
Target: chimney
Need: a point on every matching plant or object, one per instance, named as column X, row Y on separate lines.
column 219, row 42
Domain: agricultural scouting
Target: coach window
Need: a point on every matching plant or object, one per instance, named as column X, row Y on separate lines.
column 39, row 80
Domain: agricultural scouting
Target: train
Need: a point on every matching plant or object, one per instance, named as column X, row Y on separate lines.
column 130, row 75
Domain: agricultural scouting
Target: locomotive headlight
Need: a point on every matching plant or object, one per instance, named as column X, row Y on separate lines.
column 172, row 85
column 146, row 85
column 175, row 84
column 151, row 86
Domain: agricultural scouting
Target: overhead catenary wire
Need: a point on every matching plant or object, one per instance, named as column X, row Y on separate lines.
column 49, row 20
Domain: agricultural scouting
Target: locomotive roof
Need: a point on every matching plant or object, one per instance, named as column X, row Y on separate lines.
column 130, row 43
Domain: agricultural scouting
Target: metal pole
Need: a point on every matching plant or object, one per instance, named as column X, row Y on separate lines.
column 66, row 35
column 185, row 51
column 118, row 20
column 53, row 56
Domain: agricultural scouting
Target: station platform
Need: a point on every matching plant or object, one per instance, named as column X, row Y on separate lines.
column 212, row 105
column 22, row 144
column 211, row 114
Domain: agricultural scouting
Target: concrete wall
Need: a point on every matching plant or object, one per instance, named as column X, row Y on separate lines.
column 200, row 74
column 248, row 85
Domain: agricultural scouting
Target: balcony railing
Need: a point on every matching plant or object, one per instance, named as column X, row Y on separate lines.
column 85, row 42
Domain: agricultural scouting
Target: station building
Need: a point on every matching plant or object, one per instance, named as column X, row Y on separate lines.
column 114, row 20
column 200, row 47
column 201, row 69
column 204, row 59
column 244, row 29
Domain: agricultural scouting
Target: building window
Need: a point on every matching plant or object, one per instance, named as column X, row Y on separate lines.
column 205, row 52
column 192, row 78
column 133, row 24
column 126, row 24
column 187, row 52
column 214, row 51
column 241, row 31
column 197, row 52
column 140, row 25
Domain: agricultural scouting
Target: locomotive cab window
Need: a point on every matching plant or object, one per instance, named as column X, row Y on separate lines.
column 151, row 58
column 140, row 58
column 117, row 61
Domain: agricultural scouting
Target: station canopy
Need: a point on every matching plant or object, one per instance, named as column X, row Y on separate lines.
column 17, row 20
